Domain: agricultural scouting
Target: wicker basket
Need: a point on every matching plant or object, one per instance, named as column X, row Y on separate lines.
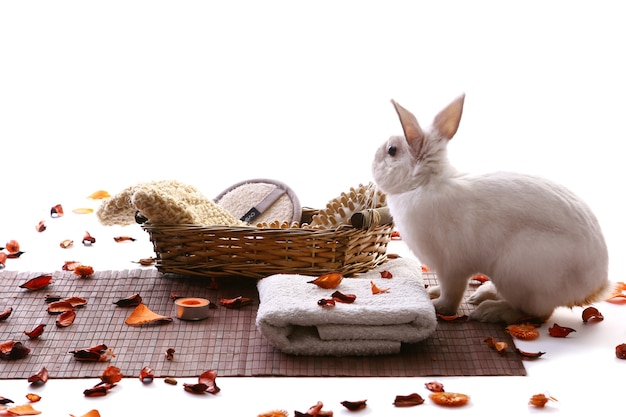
column 253, row 252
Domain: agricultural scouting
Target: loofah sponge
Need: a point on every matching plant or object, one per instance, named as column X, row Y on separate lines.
column 260, row 201
column 339, row 210
column 164, row 202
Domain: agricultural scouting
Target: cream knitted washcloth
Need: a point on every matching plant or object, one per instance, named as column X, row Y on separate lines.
column 164, row 202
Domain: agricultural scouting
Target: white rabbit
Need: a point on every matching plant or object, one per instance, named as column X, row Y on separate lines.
column 539, row 244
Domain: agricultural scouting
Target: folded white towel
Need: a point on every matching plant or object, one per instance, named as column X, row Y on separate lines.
column 375, row 324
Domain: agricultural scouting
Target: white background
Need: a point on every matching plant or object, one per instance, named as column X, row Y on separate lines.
column 102, row 95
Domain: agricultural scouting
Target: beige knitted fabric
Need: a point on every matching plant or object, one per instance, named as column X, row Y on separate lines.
column 164, row 202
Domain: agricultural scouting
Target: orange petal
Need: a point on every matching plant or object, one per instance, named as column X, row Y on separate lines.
column 91, row 413
column 58, row 307
column 33, row 398
column 12, row 246
column 377, row 290
column 99, row 195
column 22, row 410
column 83, row 271
column 76, row 301
column 66, row 318
column 143, row 315
column 70, row 265
column 328, row 281
column 37, row 283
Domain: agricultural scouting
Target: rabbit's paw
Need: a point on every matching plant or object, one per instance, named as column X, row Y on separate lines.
column 496, row 311
column 434, row 291
column 486, row 291
column 445, row 307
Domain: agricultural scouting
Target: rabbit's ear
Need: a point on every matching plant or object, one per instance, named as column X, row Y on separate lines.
column 412, row 130
column 448, row 119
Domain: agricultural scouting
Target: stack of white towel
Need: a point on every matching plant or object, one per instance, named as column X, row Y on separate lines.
column 374, row 324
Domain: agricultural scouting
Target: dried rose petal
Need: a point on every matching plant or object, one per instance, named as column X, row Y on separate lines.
column 99, row 195
column 146, row 375
column 146, row 261
column 66, row 318
column 343, row 298
column 169, row 354
column 540, row 400
column 12, row 246
column 524, row 331
column 70, row 265
column 143, row 315
column 58, row 307
column 22, row 410
column 6, row 313
column 408, row 400
column 15, row 255
column 328, row 281
column 591, row 314
column 195, row 388
column 275, row 413
column 529, row 355
column 235, row 302
column 96, row 353
column 82, row 210
column 124, row 239
column 56, row 211
column 434, row 386
column 41, row 226
column 99, row 390
column 620, row 351
column 3, row 259
column 386, row 274
column 111, row 375
column 498, row 346
column 33, row 398
column 453, row 318
column 83, row 271
column 5, row 401
column 88, row 239
column 37, row 283
column 36, row 332
column 208, row 378
column 76, row 301
column 376, row 289
column 449, row 399
column 66, row 243
column 559, row 331
column 480, row 278
column 11, row 350
column 326, row 302
column 354, row 405
column 40, row 377
column 131, row 301
column 90, row 413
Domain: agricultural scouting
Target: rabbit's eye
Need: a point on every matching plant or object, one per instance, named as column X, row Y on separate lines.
column 391, row 150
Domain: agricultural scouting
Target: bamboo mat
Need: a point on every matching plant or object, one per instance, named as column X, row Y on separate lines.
column 227, row 341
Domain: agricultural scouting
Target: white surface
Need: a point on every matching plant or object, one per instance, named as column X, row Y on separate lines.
column 104, row 95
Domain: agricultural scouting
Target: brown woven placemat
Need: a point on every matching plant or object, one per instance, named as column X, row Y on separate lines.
column 227, row 341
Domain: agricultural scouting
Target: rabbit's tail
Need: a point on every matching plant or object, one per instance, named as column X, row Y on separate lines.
column 607, row 290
